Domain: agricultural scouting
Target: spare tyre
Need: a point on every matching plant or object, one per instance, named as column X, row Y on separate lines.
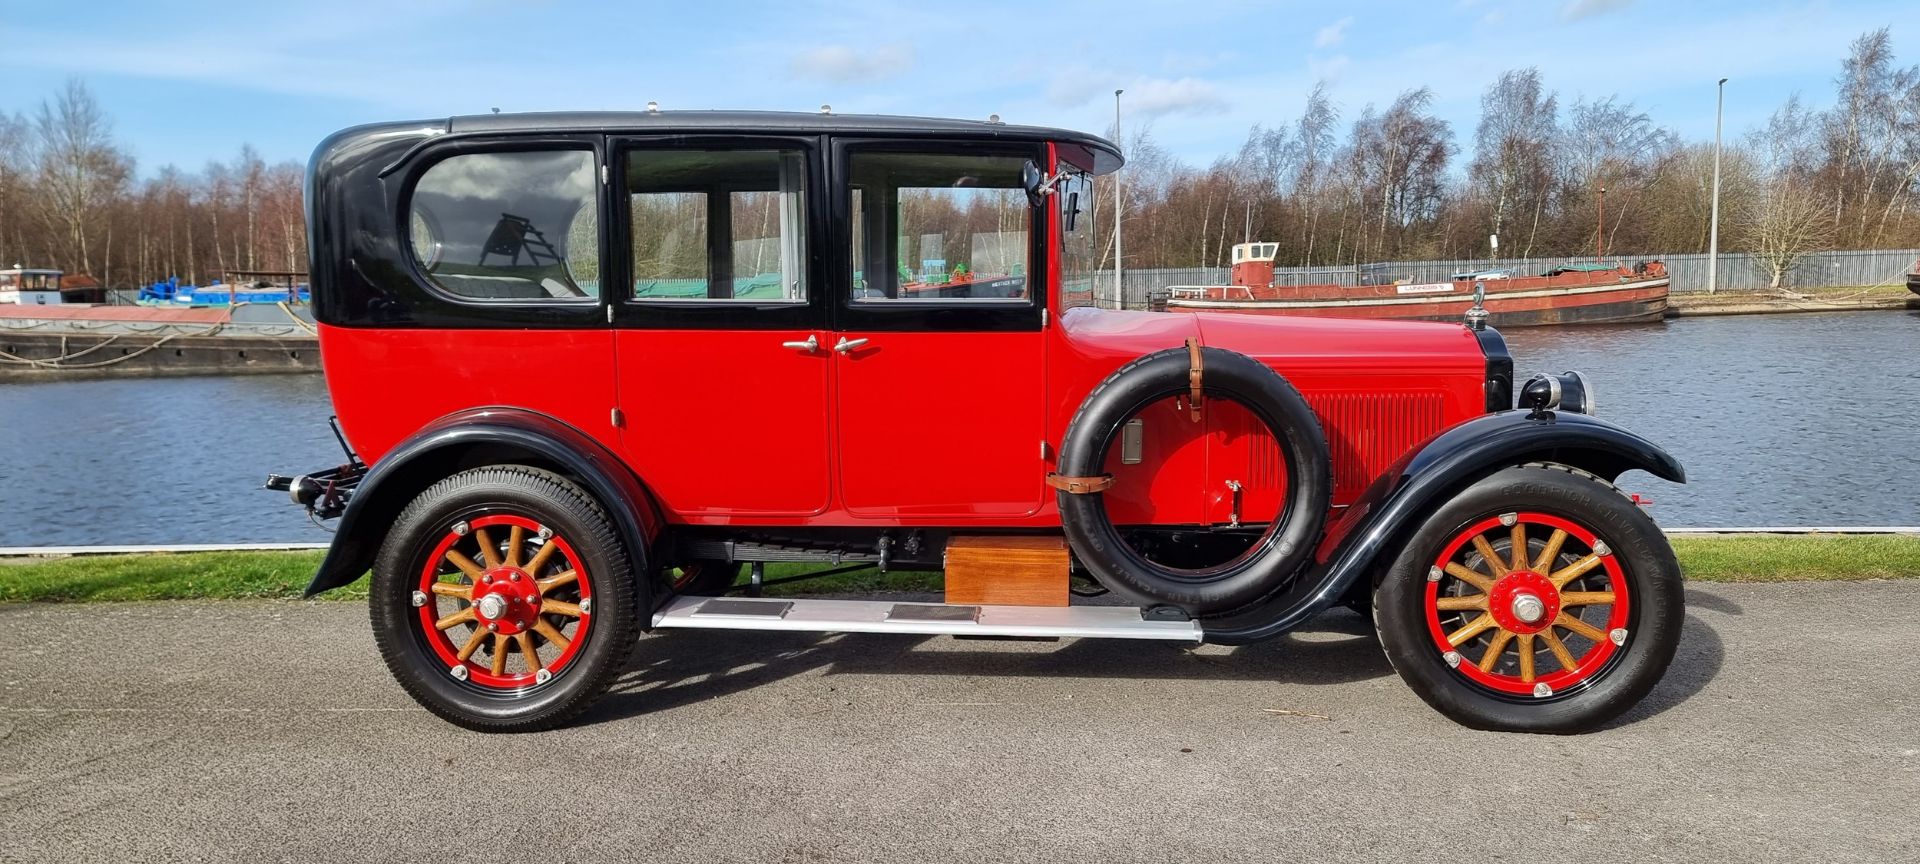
column 1287, row 542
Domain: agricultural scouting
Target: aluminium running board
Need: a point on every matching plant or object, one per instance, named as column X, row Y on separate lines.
column 885, row 616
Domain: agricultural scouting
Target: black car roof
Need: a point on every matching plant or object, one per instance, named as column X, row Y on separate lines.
column 1107, row 157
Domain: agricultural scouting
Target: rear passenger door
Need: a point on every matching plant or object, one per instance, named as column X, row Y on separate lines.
column 722, row 366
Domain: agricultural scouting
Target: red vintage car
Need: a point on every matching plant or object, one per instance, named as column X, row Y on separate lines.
column 600, row 369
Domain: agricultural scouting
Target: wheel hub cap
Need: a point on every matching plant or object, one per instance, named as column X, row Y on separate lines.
column 1528, row 608
column 508, row 602
column 1524, row 601
column 492, row 606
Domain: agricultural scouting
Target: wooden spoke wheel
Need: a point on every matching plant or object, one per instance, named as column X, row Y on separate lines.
column 1527, row 603
column 1539, row 599
column 503, row 599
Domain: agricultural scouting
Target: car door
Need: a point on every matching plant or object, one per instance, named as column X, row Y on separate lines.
column 939, row 362
column 722, row 367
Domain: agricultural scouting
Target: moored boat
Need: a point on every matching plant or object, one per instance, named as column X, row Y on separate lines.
column 240, row 287
column 1579, row 293
column 28, row 286
column 1913, row 278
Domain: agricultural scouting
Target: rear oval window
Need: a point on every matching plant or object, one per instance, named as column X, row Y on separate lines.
column 509, row 226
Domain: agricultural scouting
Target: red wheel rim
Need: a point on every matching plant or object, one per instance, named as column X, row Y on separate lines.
column 504, row 601
column 1535, row 624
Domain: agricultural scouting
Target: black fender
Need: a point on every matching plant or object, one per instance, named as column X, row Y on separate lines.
column 1366, row 536
column 471, row 439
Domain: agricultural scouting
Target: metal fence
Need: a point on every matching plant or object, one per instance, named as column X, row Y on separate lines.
column 1738, row 272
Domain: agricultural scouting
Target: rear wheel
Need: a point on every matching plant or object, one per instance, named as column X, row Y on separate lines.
column 702, row 578
column 1538, row 600
column 502, row 599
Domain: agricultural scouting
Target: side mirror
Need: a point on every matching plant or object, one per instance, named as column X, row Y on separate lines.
column 1072, row 216
column 1035, row 182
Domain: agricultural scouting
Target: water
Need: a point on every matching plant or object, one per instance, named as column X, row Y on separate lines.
column 160, row 460
column 1779, row 419
column 1806, row 419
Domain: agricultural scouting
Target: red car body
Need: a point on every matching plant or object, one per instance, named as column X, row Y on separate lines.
column 974, row 458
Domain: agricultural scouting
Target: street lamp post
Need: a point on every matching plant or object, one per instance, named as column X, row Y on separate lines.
column 1119, row 293
column 1713, row 233
column 1600, row 229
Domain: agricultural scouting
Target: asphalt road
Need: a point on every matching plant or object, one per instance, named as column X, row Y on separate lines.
column 1788, row 730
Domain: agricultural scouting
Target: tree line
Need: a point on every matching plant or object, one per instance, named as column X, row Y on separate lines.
column 1392, row 183
column 70, row 198
column 1550, row 179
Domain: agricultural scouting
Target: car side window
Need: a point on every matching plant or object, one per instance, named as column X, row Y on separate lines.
column 718, row 225
column 520, row 226
column 1079, row 252
column 939, row 226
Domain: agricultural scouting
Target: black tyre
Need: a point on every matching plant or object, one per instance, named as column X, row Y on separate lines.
column 503, row 600
column 1279, row 552
column 702, row 578
column 1562, row 637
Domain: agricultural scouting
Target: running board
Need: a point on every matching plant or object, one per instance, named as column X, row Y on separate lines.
column 884, row 616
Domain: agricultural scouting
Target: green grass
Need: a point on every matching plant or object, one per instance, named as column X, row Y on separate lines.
column 1797, row 558
column 181, row 576
column 239, row 575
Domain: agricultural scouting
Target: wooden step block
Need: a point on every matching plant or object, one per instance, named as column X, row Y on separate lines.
column 996, row 570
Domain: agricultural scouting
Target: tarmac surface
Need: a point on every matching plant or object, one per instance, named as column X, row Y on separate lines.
column 1787, row 730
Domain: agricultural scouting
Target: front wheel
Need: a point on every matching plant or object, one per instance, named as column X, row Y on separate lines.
column 502, row 599
column 1537, row 600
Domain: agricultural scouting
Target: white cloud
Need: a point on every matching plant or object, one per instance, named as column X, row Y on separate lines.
column 841, row 64
column 1333, row 34
column 1159, row 96
column 1578, row 9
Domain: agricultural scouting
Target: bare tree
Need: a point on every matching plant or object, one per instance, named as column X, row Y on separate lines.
column 1313, row 133
column 1401, row 156
column 14, row 178
column 1513, row 164
column 1607, row 144
column 1782, row 226
column 78, row 170
column 1785, row 221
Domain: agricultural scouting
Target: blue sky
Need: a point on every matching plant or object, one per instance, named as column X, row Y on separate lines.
column 186, row 81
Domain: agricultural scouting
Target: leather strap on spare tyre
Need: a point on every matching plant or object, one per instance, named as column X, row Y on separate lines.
column 1081, row 485
column 1194, row 368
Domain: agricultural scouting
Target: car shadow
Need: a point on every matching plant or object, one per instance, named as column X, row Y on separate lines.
column 673, row 668
column 1695, row 663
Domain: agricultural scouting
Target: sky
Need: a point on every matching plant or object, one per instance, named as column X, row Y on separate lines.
column 190, row 80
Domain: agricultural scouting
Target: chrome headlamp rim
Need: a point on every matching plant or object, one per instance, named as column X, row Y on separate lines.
column 1568, row 391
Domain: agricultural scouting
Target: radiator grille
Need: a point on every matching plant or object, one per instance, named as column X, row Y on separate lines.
column 1365, row 432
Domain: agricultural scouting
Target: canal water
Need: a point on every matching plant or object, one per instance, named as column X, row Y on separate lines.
column 1809, row 419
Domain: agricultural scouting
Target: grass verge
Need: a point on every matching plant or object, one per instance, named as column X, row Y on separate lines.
column 241, row 575
column 1798, row 557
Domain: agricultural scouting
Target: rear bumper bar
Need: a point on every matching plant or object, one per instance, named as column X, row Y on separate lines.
column 324, row 493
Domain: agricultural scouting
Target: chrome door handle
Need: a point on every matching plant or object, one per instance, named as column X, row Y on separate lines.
column 847, row 346
column 808, row 347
